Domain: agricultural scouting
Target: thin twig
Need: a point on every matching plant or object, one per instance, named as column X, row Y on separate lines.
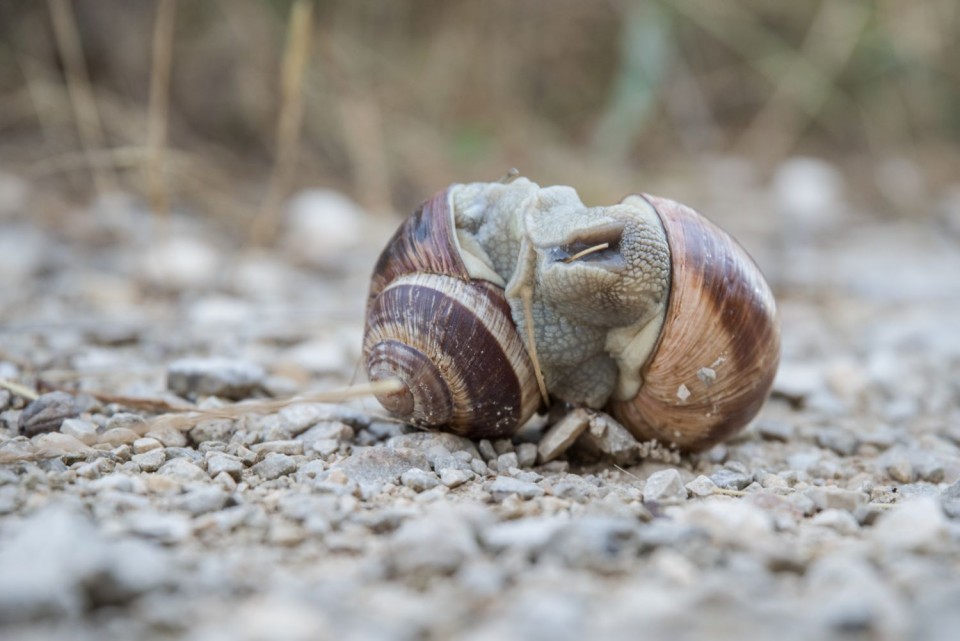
column 85, row 111
column 295, row 59
column 158, row 114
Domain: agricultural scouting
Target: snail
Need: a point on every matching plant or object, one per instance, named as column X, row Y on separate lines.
column 494, row 298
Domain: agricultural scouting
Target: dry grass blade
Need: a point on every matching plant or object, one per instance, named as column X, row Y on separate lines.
column 295, row 58
column 190, row 417
column 19, row 390
column 158, row 115
column 80, row 90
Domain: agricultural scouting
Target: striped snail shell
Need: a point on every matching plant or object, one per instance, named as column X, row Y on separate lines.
column 492, row 296
column 448, row 337
column 719, row 348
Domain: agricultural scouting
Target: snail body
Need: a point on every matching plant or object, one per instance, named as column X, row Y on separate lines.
column 494, row 297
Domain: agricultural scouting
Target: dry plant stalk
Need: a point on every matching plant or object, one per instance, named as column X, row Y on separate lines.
column 294, row 65
column 158, row 114
column 86, row 114
column 185, row 419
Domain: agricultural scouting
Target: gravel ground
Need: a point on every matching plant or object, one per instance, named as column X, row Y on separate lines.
column 836, row 514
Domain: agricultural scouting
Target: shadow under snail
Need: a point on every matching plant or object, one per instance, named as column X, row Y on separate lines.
column 494, row 298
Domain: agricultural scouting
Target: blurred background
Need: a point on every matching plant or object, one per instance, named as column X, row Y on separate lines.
column 388, row 102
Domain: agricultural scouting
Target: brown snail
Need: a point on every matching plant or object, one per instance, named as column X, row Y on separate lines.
column 494, row 297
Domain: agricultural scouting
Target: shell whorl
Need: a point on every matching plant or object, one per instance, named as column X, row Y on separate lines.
column 719, row 348
column 449, row 338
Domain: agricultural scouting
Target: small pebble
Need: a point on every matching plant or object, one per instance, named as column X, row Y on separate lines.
column 146, row 444
column 274, row 465
column 226, row 378
column 220, row 463
column 526, row 454
column 47, row 413
column 182, row 470
column 504, row 486
column 664, row 486
column 419, row 480
column 701, row 486
column 291, row 448
column 118, row 436
column 83, row 431
column 151, row 460
column 452, row 477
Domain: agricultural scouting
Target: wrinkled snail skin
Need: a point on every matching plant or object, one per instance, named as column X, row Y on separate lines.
column 644, row 309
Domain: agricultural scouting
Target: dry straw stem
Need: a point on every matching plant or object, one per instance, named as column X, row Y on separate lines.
column 295, row 58
column 82, row 100
column 158, row 115
column 190, row 417
column 19, row 390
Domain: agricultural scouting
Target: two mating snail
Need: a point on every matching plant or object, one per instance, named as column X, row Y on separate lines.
column 494, row 298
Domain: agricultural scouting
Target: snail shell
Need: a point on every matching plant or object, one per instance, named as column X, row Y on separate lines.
column 719, row 347
column 448, row 337
column 670, row 326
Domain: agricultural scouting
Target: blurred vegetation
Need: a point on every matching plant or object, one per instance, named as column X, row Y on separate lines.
column 400, row 98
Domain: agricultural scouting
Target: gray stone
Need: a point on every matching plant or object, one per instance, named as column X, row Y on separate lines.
column 47, row 413
column 437, row 543
column 526, row 454
column 127, row 420
column 665, row 486
column 83, row 431
column 218, row 463
column 562, row 434
column 424, row 441
column 226, row 378
column 840, row 441
column 183, row 471
column 289, row 447
column 728, row 479
column 151, row 460
column 164, row 527
column 487, row 451
column 607, row 440
column 327, row 430
column 216, row 429
column 528, row 535
column 419, row 480
column 950, row 500
column 773, row 430
column 917, row 525
column 57, row 564
column 506, row 461
column 839, row 520
column 168, row 436
column 701, row 486
column 829, row 497
column 146, row 444
column 274, row 465
column 50, row 444
column 379, row 465
column 504, row 486
column 118, row 436
column 600, row 544
column 201, row 500
column 452, row 477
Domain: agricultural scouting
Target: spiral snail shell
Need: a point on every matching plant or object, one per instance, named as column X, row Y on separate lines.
column 493, row 298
